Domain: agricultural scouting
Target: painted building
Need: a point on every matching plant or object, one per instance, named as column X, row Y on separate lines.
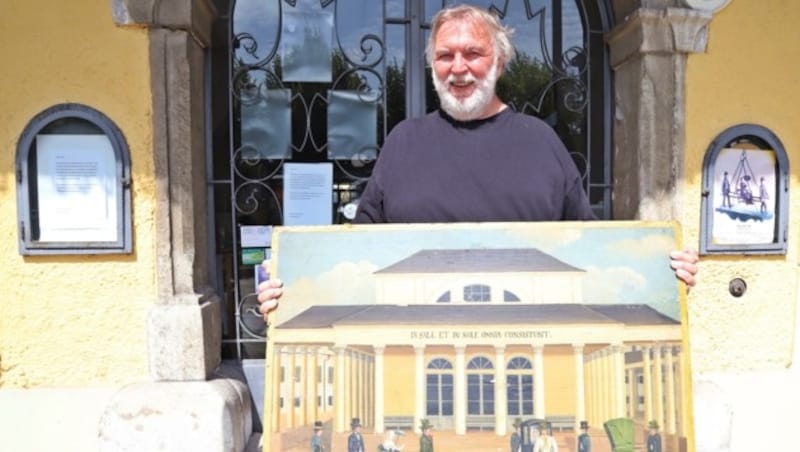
column 475, row 356
column 89, row 333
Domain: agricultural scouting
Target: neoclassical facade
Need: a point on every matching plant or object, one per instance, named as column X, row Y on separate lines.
column 481, row 356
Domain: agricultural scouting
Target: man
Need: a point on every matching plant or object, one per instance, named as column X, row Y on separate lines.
column 426, row 440
column 763, row 195
column 316, row 439
column 653, row 437
column 475, row 160
column 516, row 439
column 726, row 190
column 355, row 442
column 584, row 441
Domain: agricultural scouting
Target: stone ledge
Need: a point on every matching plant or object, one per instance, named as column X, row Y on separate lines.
column 210, row 416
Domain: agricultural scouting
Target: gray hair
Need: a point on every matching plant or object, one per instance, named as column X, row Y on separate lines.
column 501, row 33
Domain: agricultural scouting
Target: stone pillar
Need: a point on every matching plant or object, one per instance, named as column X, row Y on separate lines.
column 184, row 332
column 538, row 382
column 500, row 392
column 648, row 50
column 460, row 392
column 580, row 393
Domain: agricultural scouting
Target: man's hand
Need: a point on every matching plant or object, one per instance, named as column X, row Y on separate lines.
column 684, row 263
column 269, row 292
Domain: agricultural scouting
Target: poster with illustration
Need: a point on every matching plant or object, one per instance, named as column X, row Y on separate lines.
column 469, row 336
column 744, row 207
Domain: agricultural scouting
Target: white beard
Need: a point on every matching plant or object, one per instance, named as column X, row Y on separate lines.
column 472, row 107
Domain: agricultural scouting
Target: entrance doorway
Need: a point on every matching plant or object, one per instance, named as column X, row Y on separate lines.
column 323, row 81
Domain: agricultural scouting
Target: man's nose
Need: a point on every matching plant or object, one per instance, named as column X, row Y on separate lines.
column 459, row 64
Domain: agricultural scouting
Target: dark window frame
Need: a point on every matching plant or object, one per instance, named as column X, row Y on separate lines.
column 68, row 118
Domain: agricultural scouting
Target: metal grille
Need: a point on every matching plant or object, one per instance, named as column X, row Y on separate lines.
column 324, row 81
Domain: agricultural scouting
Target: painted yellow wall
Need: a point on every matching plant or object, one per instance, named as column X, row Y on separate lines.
column 74, row 320
column 559, row 379
column 399, row 395
column 749, row 74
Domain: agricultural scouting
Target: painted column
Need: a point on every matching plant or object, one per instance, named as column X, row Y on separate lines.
column 580, row 393
column 460, row 392
column 633, row 396
column 371, row 389
column 339, row 386
column 419, row 385
column 291, row 377
column 500, row 391
column 647, row 385
column 619, row 380
column 606, row 394
column 309, row 384
column 538, row 381
column 670, row 424
column 658, row 386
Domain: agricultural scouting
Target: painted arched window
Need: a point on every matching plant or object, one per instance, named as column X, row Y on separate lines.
column 439, row 388
column 480, row 386
column 519, row 386
column 510, row 296
column 444, row 298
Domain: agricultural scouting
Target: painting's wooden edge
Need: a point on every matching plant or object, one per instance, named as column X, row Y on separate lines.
column 598, row 224
column 268, row 423
column 685, row 362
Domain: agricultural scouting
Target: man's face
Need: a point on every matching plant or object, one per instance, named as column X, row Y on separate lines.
column 465, row 69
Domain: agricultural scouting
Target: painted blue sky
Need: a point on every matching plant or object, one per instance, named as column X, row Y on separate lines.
column 624, row 264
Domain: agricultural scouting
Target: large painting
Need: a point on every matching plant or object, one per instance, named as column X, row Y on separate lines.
column 488, row 333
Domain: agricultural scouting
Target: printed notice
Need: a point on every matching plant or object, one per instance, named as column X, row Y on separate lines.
column 307, row 194
column 77, row 188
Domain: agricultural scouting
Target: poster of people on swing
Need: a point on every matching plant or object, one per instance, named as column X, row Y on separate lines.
column 744, row 197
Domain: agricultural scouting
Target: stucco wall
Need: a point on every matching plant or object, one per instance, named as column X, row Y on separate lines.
column 749, row 74
column 74, row 320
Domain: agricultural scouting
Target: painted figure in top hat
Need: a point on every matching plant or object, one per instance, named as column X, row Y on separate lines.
column 584, row 441
column 426, row 440
column 355, row 442
column 316, row 439
column 516, row 438
column 653, row 437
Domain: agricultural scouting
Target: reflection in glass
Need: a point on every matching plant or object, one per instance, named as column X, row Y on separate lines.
column 352, row 126
column 266, row 126
column 306, row 46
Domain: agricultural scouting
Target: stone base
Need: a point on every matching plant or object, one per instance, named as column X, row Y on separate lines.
column 184, row 340
column 209, row 416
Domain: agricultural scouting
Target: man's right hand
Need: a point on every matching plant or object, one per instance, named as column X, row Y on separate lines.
column 269, row 292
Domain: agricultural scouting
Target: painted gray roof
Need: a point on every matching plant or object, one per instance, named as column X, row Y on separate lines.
column 495, row 260
column 470, row 314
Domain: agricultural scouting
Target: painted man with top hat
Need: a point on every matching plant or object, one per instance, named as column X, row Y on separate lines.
column 426, row 440
column 355, row 442
column 316, row 439
column 516, row 438
column 653, row 437
column 584, row 441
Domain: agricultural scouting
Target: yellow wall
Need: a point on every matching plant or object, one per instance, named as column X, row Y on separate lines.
column 559, row 380
column 399, row 395
column 75, row 320
column 749, row 74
